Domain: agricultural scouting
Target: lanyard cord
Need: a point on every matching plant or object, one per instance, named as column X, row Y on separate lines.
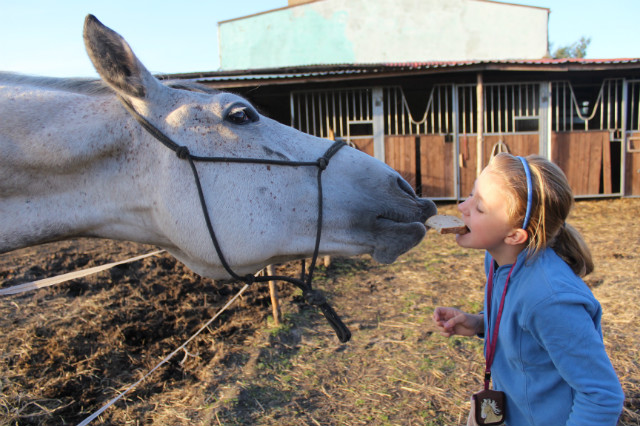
column 490, row 347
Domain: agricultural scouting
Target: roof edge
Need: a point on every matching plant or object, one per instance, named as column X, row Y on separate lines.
column 383, row 68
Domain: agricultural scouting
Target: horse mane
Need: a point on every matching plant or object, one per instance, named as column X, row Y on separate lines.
column 90, row 86
column 191, row 86
column 87, row 86
column 492, row 404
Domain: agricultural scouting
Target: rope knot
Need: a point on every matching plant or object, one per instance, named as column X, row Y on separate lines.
column 314, row 297
column 183, row 152
column 249, row 279
column 322, row 163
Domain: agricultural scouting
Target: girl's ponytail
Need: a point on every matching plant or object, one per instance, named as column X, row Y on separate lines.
column 570, row 246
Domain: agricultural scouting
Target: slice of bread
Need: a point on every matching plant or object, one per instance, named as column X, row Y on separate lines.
column 446, row 224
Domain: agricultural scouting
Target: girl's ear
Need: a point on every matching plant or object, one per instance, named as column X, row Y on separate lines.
column 517, row 237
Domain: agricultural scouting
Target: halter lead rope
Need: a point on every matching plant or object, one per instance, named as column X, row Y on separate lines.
column 313, row 297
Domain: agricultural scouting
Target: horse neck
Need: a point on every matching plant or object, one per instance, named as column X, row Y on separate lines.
column 68, row 167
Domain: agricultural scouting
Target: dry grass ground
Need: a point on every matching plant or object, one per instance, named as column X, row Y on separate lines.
column 66, row 351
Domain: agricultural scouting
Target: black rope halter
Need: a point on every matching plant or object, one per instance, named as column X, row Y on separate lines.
column 313, row 297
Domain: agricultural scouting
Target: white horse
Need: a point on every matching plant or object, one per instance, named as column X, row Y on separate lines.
column 75, row 163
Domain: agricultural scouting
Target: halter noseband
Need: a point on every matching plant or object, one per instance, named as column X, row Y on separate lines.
column 313, row 297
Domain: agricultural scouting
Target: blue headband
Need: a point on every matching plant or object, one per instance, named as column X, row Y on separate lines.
column 527, row 172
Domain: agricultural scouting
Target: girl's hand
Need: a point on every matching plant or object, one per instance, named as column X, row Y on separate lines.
column 450, row 321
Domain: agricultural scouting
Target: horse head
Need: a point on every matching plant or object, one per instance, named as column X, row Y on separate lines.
column 490, row 411
column 261, row 213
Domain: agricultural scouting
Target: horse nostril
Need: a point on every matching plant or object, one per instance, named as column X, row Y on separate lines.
column 404, row 185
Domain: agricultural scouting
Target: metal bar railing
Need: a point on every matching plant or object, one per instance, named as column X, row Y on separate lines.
column 601, row 112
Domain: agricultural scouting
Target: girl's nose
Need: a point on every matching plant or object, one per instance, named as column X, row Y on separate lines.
column 464, row 206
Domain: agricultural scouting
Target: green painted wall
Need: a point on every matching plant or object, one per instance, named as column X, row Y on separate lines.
column 375, row 31
column 271, row 40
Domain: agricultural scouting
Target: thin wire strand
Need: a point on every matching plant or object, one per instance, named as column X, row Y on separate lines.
column 164, row 360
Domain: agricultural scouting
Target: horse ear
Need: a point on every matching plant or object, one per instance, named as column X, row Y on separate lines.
column 115, row 61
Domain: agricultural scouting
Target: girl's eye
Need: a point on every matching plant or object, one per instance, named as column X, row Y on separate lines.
column 478, row 207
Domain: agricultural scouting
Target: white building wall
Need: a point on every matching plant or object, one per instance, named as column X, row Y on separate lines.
column 381, row 31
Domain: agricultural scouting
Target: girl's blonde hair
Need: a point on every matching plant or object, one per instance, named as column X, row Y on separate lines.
column 552, row 202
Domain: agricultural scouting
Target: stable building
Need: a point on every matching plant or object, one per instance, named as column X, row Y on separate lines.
column 437, row 114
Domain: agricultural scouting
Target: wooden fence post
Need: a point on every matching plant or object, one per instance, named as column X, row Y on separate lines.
column 480, row 122
column 275, row 302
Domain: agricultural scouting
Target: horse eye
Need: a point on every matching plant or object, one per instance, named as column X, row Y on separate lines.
column 242, row 115
column 238, row 117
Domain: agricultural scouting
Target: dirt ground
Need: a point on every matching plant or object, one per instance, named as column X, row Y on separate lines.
column 67, row 350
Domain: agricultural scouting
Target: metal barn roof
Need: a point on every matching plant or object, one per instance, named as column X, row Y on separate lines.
column 306, row 73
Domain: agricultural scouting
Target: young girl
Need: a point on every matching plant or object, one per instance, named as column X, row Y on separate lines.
column 548, row 354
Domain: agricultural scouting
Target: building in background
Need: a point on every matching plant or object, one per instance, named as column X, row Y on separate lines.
column 435, row 87
column 383, row 31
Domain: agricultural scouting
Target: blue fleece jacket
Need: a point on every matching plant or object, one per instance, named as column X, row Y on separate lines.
column 550, row 360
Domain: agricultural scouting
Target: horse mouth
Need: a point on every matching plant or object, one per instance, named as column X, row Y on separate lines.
column 396, row 233
column 418, row 211
column 397, row 217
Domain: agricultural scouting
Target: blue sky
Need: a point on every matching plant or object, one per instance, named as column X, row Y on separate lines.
column 45, row 36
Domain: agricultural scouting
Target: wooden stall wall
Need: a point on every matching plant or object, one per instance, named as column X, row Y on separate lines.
column 516, row 144
column 400, row 154
column 467, row 159
column 585, row 157
column 632, row 166
column 433, row 176
column 364, row 145
column 437, row 167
